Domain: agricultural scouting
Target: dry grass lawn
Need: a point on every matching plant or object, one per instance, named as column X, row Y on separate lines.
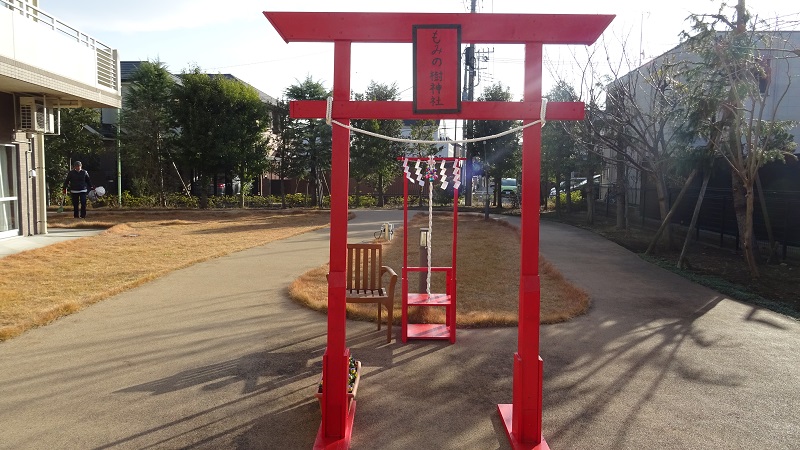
column 38, row 286
column 487, row 279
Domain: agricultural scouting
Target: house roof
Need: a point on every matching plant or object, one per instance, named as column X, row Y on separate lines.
column 128, row 68
column 263, row 96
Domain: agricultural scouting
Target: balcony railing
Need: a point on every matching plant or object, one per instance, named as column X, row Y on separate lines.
column 106, row 57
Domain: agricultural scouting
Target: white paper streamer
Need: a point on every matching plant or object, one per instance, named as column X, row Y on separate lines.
column 406, row 169
column 443, row 174
column 457, row 174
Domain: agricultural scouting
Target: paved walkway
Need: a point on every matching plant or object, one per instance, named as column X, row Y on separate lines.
column 216, row 356
column 19, row 244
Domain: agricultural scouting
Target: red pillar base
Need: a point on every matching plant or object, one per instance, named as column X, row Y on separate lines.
column 326, row 443
column 506, row 412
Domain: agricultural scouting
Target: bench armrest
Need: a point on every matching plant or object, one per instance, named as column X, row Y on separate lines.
column 392, row 280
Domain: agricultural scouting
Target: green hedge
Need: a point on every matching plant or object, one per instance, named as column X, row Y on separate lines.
column 182, row 201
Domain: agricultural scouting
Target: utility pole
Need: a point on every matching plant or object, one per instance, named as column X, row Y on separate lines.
column 741, row 17
column 469, row 88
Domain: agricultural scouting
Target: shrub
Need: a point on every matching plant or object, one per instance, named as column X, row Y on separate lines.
column 577, row 200
column 443, row 197
column 178, row 200
column 257, row 201
column 394, row 201
column 297, row 200
column 364, row 201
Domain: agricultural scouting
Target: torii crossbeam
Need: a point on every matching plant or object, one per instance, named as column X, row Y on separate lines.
column 522, row 418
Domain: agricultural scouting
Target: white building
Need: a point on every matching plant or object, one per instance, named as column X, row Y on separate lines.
column 780, row 90
column 45, row 64
column 446, row 149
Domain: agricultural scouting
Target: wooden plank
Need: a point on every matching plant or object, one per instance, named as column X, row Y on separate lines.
column 475, row 28
column 425, row 269
column 428, row 331
column 316, row 109
column 422, row 299
column 373, row 269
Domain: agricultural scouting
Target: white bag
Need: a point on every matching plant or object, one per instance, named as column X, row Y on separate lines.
column 96, row 193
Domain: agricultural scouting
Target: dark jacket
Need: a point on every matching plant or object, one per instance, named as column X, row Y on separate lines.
column 78, row 181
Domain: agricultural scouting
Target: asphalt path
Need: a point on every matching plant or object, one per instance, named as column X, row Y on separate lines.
column 216, row 356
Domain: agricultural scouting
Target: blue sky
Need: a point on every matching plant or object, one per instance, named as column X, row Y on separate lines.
column 234, row 37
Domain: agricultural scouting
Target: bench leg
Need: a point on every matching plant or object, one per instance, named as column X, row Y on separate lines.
column 389, row 320
column 379, row 315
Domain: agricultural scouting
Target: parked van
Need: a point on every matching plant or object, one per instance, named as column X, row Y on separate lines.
column 508, row 186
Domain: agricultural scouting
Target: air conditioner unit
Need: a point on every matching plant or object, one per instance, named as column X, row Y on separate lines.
column 33, row 116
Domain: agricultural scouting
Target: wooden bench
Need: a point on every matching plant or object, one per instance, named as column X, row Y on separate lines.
column 365, row 272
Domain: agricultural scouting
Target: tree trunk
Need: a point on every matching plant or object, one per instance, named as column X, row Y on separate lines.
column 663, row 205
column 590, row 198
column 314, row 183
column 742, row 189
column 773, row 246
column 204, row 192
column 380, row 190
column 162, row 196
column 749, row 240
column 622, row 202
column 695, row 214
column 498, row 191
column 568, row 191
column 743, row 207
column 543, row 192
column 668, row 218
column 558, row 194
column 281, row 176
column 241, row 185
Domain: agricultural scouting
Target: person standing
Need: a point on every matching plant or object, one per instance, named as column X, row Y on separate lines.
column 78, row 184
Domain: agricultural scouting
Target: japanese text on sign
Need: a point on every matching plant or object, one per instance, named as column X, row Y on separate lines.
column 437, row 60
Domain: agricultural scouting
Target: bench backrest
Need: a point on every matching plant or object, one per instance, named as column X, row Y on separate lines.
column 364, row 263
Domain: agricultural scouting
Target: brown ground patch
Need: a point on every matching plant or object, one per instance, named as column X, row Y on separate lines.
column 37, row 286
column 487, row 281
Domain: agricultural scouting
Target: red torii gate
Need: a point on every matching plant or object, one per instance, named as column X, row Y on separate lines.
column 523, row 418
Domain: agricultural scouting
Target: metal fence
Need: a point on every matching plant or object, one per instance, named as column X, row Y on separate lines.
column 717, row 218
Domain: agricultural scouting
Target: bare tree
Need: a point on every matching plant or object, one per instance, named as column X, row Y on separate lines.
column 641, row 122
column 737, row 60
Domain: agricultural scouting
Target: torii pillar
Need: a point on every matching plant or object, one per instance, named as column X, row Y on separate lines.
column 522, row 418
